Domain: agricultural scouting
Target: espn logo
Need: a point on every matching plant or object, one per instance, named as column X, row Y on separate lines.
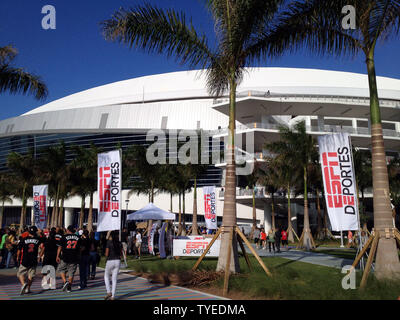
column 337, row 170
column 108, row 191
column 196, row 245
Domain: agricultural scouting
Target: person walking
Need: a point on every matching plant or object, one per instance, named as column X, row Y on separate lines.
column 68, row 254
column 271, row 240
column 278, row 235
column 92, row 263
column 284, row 238
column 113, row 255
column 256, row 237
column 138, row 243
column 84, row 259
column 28, row 250
column 50, row 257
column 263, row 237
column 11, row 246
column 3, row 249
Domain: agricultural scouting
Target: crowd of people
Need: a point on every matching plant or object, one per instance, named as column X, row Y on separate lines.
column 274, row 239
column 65, row 250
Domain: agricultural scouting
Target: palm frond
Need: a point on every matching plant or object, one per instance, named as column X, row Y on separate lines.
column 154, row 30
column 7, row 54
column 16, row 80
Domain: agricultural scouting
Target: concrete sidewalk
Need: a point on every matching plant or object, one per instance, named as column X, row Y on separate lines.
column 303, row 256
column 128, row 288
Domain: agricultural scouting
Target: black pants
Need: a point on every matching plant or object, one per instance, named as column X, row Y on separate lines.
column 269, row 246
column 83, row 270
column 278, row 245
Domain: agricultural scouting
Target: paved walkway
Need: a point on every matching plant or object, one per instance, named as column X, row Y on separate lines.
column 309, row 257
column 129, row 288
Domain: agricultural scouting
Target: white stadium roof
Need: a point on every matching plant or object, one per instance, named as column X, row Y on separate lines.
column 179, row 100
column 191, row 84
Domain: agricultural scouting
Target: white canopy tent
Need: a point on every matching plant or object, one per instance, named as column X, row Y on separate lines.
column 151, row 212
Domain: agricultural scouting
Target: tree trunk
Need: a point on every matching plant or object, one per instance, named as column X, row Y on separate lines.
column 183, row 213
column 82, row 213
column 254, row 215
column 55, row 208
column 23, row 209
column 319, row 216
column 171, row 202
column 273, row 212
column 150, row 222
column 290, row 228
column 194, row 220
column 61, row 214
column 1, row 215
column 307, row 243
column 229, row 211
column 90, row 215
column 180, row 216
column 387, row 258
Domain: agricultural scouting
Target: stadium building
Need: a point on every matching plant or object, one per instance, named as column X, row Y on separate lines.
column 122, row 113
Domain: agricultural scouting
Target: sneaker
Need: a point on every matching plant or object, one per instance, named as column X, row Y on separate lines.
column 65, row 286
column 108, row 296
column 69, row 289
column 23, row 288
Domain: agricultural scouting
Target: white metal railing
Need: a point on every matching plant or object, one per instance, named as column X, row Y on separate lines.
column 310, row 129
column 314, row 97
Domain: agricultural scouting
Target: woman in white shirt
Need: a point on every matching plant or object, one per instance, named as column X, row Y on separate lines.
column 138, row 243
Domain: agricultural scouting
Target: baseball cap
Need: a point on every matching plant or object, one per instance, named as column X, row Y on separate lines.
column 32, row 230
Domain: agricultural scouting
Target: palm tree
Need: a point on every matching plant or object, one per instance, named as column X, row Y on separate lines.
column 318, row 24
column 53, row 170
column 251, row 181
column 23, row 169
column 269, row 178
column 363, row 174
column 243, row 30
column 394, row 179
column 85, row 163
column 287, row 176
column 146, row 176
column 16, row 80
column 5, row 193
column 299, row 147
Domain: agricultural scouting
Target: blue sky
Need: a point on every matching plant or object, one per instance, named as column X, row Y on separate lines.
column 75, row 57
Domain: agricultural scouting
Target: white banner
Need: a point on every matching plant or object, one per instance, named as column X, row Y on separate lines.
column 339, row 181
column 109, row 189
column 210, row 207
column 150, row 238
column 40, row 206
column 195, row 248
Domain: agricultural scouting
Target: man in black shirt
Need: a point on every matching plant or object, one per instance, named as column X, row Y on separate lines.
column 84, row 261
column 29, row 248
column 68, row 255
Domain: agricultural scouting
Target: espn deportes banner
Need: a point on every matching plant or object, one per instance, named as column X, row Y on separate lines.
column 339, row 181
column 109, row 189
column 210, row 207
column 40, row 205
column 195, row 248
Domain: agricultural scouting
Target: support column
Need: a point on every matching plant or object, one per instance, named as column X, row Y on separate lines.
column 267, row 217
column 68, row 216
column 308, row 121
column 397, row 126
column 321, row 123
column 296, row 209
column 354, row 125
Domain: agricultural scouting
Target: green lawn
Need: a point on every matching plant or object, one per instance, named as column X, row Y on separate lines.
column 291, row 279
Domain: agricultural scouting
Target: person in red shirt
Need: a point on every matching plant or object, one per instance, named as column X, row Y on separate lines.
column 263, row 237
column 284, row 238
